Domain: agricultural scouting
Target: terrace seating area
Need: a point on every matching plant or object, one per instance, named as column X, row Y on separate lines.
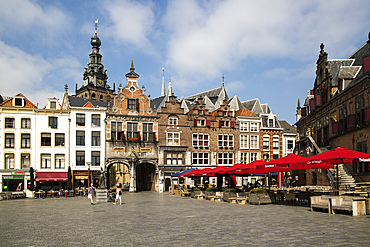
column 322, row 198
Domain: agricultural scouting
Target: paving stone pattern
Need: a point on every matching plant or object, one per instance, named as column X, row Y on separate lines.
column 152, row 219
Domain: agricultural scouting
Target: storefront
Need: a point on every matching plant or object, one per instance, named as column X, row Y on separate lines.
column 11, row 180
column 51, row 180
column 81, row 178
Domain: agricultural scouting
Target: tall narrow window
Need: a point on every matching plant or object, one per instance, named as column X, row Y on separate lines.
column 116, row 131
column 266, row 142
column 254, row 156
column 95, row 158
column 25, row 160
column 148, row 132
column 132, row 132
column 9, row 160
column 59, row 139
column 80, row 119
column 80, row 138
column 95, row 120
column 80, row 158
column 45, row 161
column 131, row 104
column 25, row 140
column 59, row 161
column 254, row 127
column 254, row 142
column 53, row 122
column 275, row 142
column 26, row 123
column 95, row 138
column 9, row 140
column 243, row 141
column 243, row 158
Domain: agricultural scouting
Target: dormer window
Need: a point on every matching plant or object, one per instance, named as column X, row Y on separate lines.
column 18, row 102
column 53, row 105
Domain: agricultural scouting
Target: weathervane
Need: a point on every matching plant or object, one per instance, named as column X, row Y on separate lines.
column 96, row 26
column 223, row 79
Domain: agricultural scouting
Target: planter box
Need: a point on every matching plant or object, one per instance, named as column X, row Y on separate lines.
column 209, row 193
column 227, row 195
column 258, row 199
column 194, row 193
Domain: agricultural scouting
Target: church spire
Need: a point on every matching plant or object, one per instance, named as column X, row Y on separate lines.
column 163, row 92
column 299, row 112
column 95, row 73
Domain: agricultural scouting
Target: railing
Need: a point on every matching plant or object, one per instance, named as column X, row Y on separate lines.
column 331, row 178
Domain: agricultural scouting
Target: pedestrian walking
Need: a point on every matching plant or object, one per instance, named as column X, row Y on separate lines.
column 92, row 191
column 118, row 196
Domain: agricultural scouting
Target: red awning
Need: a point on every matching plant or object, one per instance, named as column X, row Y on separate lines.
column 51, row 176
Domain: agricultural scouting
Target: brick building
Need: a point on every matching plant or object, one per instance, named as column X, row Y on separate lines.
column 336, row 113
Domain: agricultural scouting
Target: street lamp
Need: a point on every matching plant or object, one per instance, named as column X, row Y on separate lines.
column 88, row 173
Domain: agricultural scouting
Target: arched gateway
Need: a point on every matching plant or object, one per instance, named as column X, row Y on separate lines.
column 134, row 176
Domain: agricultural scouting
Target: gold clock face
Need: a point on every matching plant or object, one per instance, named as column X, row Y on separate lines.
column 99, row 83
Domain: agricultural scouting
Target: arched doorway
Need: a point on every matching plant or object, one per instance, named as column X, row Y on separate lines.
column 118, row 175
column 145, row 177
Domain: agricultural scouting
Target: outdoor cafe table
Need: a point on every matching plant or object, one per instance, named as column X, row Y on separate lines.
column 53, row 193
column 39, row 194
column 80, row 192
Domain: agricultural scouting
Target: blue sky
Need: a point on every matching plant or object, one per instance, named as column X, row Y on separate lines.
column 265, row 49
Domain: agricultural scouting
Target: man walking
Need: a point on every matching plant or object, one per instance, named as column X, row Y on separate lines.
column 92, row 191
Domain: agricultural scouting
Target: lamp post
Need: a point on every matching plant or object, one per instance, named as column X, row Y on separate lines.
column 88, row 174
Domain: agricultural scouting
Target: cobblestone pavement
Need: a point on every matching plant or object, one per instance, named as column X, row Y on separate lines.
column 152, row 219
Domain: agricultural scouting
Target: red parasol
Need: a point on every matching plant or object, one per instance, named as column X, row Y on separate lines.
column 338, row 156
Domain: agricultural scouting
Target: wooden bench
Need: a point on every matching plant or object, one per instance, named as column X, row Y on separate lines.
column 352, row 204
column 241, row 200
column 18, row 195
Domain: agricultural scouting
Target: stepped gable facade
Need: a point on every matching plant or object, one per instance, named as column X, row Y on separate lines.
column 132, row 136
column 336, row 113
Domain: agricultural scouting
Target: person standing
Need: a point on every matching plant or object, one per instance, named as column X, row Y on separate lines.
column 92, row 191
column 118, row 196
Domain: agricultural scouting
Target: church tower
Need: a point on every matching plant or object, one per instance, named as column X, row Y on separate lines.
column 95, row 77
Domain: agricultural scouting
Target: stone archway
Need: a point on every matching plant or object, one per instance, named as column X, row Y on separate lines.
column 145, row 177
column 117, row 173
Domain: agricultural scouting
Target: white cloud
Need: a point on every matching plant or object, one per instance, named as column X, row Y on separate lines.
column 209, row 39
column 132, row 22
column 34, row 76
column 25, row 15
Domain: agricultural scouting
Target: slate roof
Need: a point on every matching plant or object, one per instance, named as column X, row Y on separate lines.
column 80, row 102
column 155, row 103
column 212, row 94
column 287, row 128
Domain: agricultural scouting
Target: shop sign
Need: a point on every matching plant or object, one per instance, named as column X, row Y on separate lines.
column 119, row 149
column 13, row 177
column 81, row 177
column 145, row 150
column 17, row 173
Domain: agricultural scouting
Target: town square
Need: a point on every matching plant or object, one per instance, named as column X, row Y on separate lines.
column 166, row 123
